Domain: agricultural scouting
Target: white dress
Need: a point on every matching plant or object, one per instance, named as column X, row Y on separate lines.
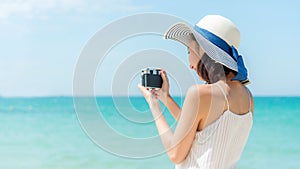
column 220, row 144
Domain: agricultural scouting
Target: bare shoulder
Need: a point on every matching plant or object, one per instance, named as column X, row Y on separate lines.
column 200, row 97
column 198, row 91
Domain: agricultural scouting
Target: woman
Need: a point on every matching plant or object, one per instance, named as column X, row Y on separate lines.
column 216, row 118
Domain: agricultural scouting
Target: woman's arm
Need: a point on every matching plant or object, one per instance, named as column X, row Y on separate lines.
column 172, row 107
column 177, row 144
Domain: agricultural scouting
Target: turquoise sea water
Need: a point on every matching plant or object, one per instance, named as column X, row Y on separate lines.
column 44, row 133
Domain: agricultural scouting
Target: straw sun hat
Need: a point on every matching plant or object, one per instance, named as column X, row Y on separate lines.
column 218, row 37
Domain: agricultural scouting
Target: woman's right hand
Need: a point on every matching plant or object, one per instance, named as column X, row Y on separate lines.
column 163, row 93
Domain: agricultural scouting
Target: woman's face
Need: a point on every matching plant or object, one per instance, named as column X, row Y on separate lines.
column 194, row 58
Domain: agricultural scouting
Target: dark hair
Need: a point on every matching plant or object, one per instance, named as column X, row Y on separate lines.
column 212, row 71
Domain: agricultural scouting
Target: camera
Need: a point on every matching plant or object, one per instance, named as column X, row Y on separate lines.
column 151, row 78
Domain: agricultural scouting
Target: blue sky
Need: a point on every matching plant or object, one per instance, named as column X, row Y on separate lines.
column 41, row 40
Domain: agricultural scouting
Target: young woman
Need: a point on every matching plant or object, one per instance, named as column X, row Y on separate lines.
column 216, row 118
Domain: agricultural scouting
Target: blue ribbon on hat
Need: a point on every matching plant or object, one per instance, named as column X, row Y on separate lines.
column 231, row 50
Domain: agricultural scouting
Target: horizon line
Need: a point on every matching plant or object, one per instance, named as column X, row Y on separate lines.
column 71, row 96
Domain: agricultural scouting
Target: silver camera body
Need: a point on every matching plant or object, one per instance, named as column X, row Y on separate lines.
column 151, row 78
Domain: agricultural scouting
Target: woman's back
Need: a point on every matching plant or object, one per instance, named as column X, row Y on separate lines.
column 233, row 96
column 219, row 144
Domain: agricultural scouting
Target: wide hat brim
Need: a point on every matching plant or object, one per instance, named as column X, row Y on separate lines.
column 184, row 34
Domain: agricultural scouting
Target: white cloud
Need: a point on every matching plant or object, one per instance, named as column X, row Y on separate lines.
column 42, row 8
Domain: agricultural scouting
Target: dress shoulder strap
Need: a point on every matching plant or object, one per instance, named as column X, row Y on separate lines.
column 224, row 95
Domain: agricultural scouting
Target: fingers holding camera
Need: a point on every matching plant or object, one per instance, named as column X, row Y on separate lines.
column 144, row 91
column 164, row 76
column 163, row 93
column 152, row 99
column 155, row 93
column 148, row 94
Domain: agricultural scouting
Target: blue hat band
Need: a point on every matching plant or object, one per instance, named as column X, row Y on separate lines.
column 230, row 50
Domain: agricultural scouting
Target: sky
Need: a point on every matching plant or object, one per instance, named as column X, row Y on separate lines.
column 41, row 41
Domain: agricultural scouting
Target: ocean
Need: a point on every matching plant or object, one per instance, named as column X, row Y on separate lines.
column 45, row 133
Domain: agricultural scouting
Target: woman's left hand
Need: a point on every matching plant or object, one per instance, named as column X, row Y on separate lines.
column 152, row 99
